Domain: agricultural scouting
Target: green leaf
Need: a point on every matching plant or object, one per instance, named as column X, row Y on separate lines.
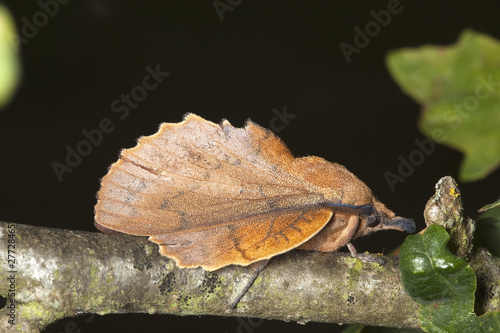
column 490, row 206
column 443, row 284
column 487, row 233
column 459, row 89
column 10, row 67
column 429, row 269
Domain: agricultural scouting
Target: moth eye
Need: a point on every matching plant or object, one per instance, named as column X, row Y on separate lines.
column 372, row 221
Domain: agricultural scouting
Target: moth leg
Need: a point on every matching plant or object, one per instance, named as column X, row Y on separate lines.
column 256, row 268
column 363, row 256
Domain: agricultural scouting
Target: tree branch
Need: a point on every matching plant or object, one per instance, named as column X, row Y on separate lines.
column 61, row 273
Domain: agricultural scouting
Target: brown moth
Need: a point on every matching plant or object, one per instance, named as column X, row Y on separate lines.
column 212, row 195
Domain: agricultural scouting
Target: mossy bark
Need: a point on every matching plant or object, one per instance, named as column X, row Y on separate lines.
column 62, row 273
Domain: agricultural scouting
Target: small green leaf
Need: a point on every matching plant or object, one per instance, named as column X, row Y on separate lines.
column 443, row 284
column 428, row 268
column 489, row 206
column 459, row 89
column 487, row 234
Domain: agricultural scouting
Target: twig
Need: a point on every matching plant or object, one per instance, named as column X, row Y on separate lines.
column 64, row 273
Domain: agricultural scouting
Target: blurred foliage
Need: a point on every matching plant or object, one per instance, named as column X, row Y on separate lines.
column 442, row 284
column 458, row 87
column 10, row 66
column 365, row 329
column 487, row 234
column 490, row 206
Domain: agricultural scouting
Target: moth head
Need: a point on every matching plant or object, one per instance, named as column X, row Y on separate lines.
column 381, row 218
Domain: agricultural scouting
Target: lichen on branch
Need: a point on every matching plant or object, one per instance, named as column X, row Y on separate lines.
column 64, row 273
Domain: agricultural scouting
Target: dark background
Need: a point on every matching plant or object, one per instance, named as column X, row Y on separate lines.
column 263, row 55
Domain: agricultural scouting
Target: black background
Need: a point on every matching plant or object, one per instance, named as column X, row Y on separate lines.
column 263, row 55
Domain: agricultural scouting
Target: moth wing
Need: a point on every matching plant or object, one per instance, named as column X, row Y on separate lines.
column 244, row 241
column 197, row 174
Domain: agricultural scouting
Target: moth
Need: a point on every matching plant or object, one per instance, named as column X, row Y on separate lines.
column 212, row 195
